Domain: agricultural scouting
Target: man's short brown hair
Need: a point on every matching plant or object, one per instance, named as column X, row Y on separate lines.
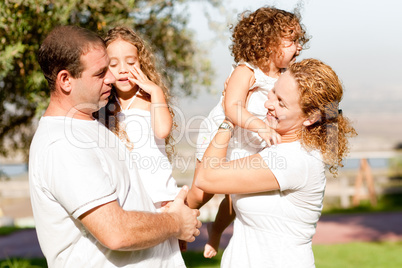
column 62, row 50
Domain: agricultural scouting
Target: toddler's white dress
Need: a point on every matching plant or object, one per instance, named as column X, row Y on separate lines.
column 244, row 142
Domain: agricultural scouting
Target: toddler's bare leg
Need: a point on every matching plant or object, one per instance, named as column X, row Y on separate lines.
column 223, row 219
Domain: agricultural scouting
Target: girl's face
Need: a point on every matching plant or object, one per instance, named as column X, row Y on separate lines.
column 284, row 113
column 123, row 56
column 288, row 51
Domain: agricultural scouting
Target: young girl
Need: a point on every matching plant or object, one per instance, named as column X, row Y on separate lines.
column 265, row 42
column 138, row 112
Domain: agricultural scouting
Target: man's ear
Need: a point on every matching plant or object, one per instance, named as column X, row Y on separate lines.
column 312, row 119
column 64, row 80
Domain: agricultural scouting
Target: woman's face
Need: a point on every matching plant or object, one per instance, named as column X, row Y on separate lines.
column 123, row 56
column 284, row 113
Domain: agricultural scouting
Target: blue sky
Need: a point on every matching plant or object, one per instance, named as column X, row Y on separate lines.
column 360, row 39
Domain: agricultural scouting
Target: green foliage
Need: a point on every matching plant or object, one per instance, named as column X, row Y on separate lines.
column 385, row 203
column 23, row 263
column 6, row 230
column 25, row 23
column 395, row 167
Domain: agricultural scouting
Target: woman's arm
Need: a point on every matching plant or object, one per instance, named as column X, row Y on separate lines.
column 161, row 118
column 245, row 175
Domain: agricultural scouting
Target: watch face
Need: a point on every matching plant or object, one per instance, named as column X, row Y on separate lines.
column 225, row 125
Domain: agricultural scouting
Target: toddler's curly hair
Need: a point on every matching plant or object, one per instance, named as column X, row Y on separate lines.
column 259, row 34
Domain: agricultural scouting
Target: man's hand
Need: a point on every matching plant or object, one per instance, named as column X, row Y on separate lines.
column 186, row 218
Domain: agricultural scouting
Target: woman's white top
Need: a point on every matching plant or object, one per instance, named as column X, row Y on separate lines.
column 243, row 142
column 275, row 229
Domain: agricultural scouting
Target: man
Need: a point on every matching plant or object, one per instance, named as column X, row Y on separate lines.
column 90, row 208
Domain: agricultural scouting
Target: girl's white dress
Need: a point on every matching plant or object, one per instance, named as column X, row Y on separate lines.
column 153, row 165
column 243, row 142
column 150, row 156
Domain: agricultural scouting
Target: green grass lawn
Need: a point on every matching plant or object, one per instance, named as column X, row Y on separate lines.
column 356, row 255
column 352, row 255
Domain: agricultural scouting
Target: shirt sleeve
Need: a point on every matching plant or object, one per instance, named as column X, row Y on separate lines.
column 77, row 179
column 288, row 165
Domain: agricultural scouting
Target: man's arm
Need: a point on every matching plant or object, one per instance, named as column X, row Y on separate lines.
column 118, row 229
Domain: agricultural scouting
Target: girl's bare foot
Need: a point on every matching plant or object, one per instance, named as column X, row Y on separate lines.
column 212, row 246
column 209, row 251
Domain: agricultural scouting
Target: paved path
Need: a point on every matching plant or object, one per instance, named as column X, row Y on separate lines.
column 331, row 229
column 336, row 229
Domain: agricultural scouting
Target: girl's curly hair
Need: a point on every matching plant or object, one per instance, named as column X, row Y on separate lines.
column 320, row 94
column 147, row 65
column 259, row 34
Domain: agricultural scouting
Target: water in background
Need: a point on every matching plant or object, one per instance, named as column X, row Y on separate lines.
column 354, row 163
column 12, row 170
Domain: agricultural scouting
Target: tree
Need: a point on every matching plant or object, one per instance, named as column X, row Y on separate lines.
column 25, row 23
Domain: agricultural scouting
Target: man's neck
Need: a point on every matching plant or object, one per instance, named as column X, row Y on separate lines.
column 58, row 108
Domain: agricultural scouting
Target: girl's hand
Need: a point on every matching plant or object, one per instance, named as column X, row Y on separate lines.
column 165, row 205
column 268, row 133
column 270, row 136
column 143, row 81
column 161, row 119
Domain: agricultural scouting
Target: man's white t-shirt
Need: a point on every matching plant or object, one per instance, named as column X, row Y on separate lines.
column 75, row 166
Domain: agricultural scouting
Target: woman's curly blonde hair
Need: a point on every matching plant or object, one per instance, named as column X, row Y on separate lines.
column 259, row 34
column 147, row 65
column 320, row 94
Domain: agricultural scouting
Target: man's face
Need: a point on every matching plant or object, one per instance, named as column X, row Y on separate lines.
column 92, row 89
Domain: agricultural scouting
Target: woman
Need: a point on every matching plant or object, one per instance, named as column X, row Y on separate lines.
column 277, row 194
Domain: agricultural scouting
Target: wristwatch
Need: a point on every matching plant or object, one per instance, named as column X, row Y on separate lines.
column 226, row 125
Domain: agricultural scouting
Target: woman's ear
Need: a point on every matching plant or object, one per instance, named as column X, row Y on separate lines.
column 312, row 119
column 64, row 80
